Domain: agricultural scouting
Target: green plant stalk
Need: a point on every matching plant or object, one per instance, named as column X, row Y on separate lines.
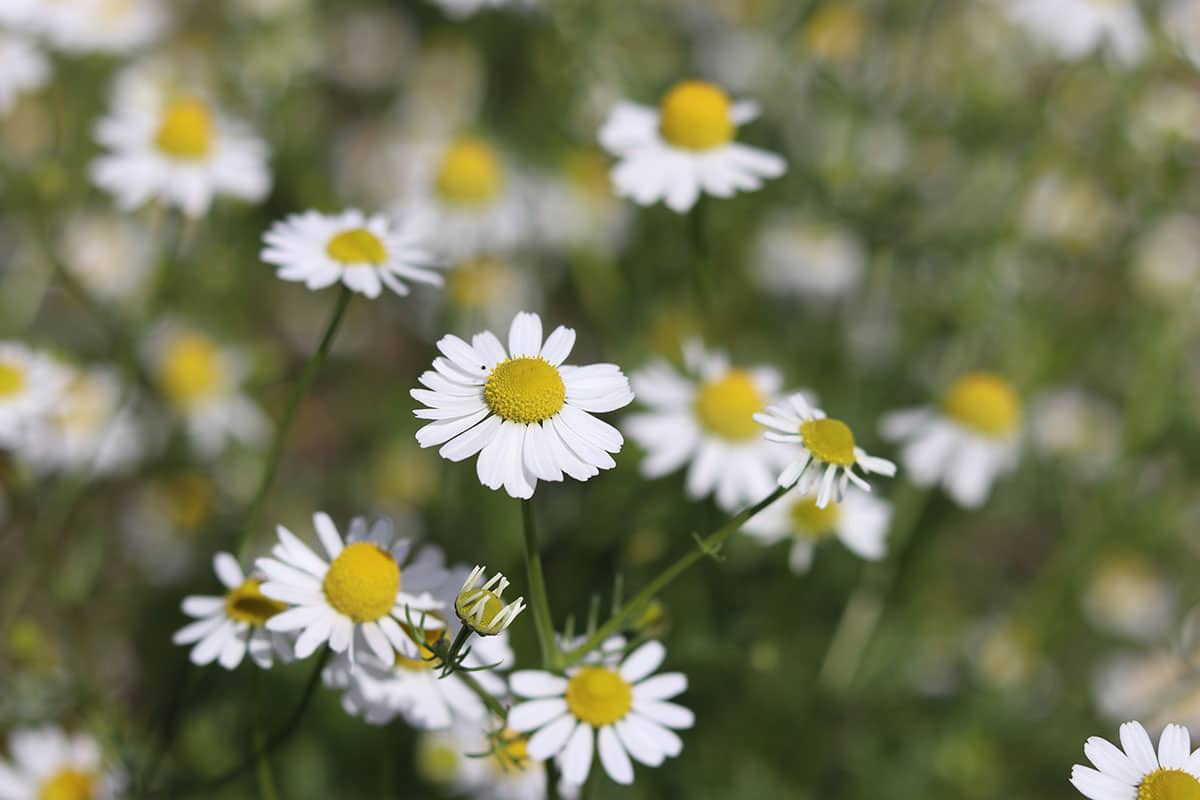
column 542, row 620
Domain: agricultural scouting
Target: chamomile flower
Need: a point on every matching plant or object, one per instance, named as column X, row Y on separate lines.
column 859, row 520
column 964, row 445
column 89, row 26
column 453, row 758
column 685, row 147
column 23, row 69
column 827, row 449
column 811, row 260
column 705, row 418
column 175, row 147
column 364, row 253
column 461, row 9
column 1135, row 771
column 31, row 384
column 359, row 596
column 1075, row 28
column 1126, row 596
column 615, row 706
column 525, row 413
column 47, row 763
column 112, row 257
column 230, row 625
column 482, row 608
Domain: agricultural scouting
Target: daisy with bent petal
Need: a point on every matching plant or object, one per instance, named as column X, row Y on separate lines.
column 230, row 625
column 359, row 596
column 364, row 253
column 608, row 704
column 47, row 763
column 685, row 147
column 827, row 449
column 859, row 520
column 1135, row 771
column 525, row 413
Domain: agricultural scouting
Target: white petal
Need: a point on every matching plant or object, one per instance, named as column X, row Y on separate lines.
column 643, row 661
column 668, row 714
column 548, row 741
column 525, row 335
column 327, row 532
column 1138, row 747
column 535, row 683
column 534, row 714
column 558, row 345
column 1174, row 747
column 613, row 756
column 577, row 755
column 661, row 687
column 229, row 572
column 1109, row 759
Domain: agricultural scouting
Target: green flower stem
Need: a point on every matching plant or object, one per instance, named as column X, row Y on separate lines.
column 489, row 700
column 538, row 600
column 289, row 416
column 705, row 547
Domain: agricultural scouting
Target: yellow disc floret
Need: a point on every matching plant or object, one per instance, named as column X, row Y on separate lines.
column 696, row 116
column 247, row 603
column 829, row 440
column 812, row 522
column 362, row 582
column 470, row 173
column 356, row 246
column 726, row 406
column 191, row 368
column 510, row 751
column 984, row 403
column 68, row 784
column 186, row 130
column 425, row 658
column 12, row 379
column 526, row 390
column 1169, row 784
column 599, row 696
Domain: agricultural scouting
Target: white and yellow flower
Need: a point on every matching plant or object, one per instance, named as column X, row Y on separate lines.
column 859, row 520
column 23, row 69
column 461, row 9
column 613, row 705
column 47, row 763
column 1073, row 29
column 964, row 445
column 827, row 450
column 452, row 758
column 359, row 596
column 527, row 415
column 705, row 418
column 31, row 384
column 1135, row 771
column 809, row 259
column 482, row 608
column 112, row 257
column 364, row 253
column 230, row 625
column 685, row 147
column 89, row 26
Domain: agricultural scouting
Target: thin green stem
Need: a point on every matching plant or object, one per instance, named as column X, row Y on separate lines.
column 266, row 781
column 311, row 368
column 538, row 600
column 707, row 546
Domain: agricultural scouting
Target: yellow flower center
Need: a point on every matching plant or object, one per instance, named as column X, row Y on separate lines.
column 696, row 116
column 835, row 33
column 510, row 751
column 191, row 368
column 356, row 246
column 1169, row 784
column 362, row 582
column 527, row 389
column 12, row 380
column 599, row 696
column 726, row 406
column 247, row 603
column 588, row 171
column 68, row 784
column 829, row 440
column 186, row 131
column 470, row 173
column 812, row 522
column 426, row 658
column 438, row 761
column 475, row 283
column 985, row 403
column 191, row 499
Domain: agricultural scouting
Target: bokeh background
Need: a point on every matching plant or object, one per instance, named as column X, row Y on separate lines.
column 959, row 195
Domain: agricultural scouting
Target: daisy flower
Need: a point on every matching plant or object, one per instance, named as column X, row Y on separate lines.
column 112, row 257
column 611, row 705
column 525, row 413
column 1074, row 28
column 89, row 26
column 48, row 763
column 809, row 260
column 359, row 596
column 827, row 448
column 451, row 758
column 488, row 291
column 705, row 418
column 23, row 69
column 30, row 384
column 364, row 253
column 175, row 147
column 482, row 608
column 967, row 443
column 230, row 625
column 859, row 520
column 1135, row 771
column 461, row 9
column 685, row 147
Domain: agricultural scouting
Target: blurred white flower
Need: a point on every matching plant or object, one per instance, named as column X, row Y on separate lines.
column 488, row 291
column 48, row 763
column 461, row 9
column 1003, row 653
column 1075, row 28
column 1069, row 210
column 1164, row 115
column 452, row 758
column 369, row 47
column 1125, row 596
column 577, row 207
column 1137, row 771
column 160, row 525
column 809, row 259
column 23, row 69
column 110, row 255
column 1181, row 21
column 685, row 147
column 31, row 385
column 859, row 520
column 115, row 27
column 1077, row 426
column 1157, row 686
column 1167, row 261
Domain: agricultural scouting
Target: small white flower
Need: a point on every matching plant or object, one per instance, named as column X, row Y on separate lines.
column 365, row 253
column 482, row 608
column 112, row 257
column 528, row 416
column 230, row 625
column 1125, row 595
column 1135, row 771
column 461, row 9
column 46, row 762
column 964, row 445
column 1075, row 28
column 31, row 384
column 1167, row 262
column 23, row 69
column 808, row 259
column 827, row 448
column 452, row 758
column 859, row 520
column 89, row 26
column 685, row 147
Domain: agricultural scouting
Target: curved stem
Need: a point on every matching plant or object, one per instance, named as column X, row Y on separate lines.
column 538, row 600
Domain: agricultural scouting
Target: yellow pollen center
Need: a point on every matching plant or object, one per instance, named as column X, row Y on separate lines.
column 68, row 784
column 829, row 440
column 1169, row 784
column 812, row 522
column 984, row 403
column 599, row 696
column 191, row 369
column 186, row 131
column 726, row 406
column 362, row 582
column 356, row 246
column 12, row 380
column 247, row 603
column 526, row 390
column 696, row 116
column 470, row 173
column 511, row 751
column 426, row 659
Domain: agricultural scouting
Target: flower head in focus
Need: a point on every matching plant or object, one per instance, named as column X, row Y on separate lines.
column 1135, row 771
column 482, row 608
